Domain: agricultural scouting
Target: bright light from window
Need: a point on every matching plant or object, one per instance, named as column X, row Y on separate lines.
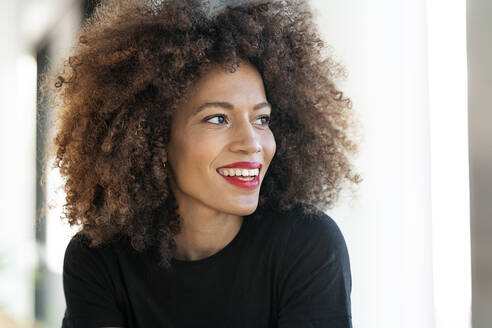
column 58, row 233
column 449, row 162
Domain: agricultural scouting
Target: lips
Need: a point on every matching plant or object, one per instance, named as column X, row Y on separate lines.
column 240, row 183
column 252, row 184
column 242, row 165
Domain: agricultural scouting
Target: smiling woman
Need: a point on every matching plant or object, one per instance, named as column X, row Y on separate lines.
column 198, row 147
column 200, row 144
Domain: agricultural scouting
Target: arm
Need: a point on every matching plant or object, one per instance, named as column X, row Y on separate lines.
column 88, row 289
column 316, row 280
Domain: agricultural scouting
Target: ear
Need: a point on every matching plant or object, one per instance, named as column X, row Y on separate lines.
column 163, row 153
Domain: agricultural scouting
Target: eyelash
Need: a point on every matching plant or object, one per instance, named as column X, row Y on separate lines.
column 225, row 116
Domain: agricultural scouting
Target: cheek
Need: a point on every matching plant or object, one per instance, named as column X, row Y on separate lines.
column 269, row 147
column 196, row 153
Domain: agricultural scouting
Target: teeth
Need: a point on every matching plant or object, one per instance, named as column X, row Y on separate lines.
column 246, row 178
column 239, row 172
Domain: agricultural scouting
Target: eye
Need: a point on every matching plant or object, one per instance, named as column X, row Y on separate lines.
column 265, row 119
column 219, row 119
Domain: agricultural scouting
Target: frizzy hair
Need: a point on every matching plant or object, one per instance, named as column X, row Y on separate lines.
column 135, row 60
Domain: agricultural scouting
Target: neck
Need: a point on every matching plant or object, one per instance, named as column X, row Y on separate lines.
column 204, row 232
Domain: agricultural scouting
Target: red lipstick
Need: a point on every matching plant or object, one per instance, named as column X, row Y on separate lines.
column 242, row 165
column 240, row 183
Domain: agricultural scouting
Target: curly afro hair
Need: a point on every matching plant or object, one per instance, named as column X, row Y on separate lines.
column 133, row 63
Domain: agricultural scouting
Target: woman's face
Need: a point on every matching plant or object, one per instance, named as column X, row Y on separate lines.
column 222, row 122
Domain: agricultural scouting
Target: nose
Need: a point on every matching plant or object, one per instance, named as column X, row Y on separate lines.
column 245, row 138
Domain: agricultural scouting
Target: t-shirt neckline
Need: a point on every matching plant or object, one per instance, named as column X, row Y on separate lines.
column 213, row 257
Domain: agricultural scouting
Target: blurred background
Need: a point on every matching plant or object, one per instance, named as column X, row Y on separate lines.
column 419, row 227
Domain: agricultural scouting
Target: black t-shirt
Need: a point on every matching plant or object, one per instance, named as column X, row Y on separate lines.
column 284, row 270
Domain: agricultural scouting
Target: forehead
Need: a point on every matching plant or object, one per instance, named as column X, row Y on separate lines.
column 217, row 84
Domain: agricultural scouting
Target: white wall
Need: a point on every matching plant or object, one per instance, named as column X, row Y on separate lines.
column 17, row 167
column 406, row 257
column 23, row 25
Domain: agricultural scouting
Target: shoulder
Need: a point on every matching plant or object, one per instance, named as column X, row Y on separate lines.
column 306, row 223
column 80, row 245
column 314, row 282
column 91, row 285
column 314, row 241
column 87, row 267
column 306, row 233
column 81, row 255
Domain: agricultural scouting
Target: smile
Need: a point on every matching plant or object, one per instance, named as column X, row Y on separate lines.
column 242, row 174
column 237, row 172
column 246, row 182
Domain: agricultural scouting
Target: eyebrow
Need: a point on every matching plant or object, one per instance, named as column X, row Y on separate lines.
column 229, row 106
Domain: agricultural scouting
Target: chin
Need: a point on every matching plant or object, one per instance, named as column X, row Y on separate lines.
column 243, row 210
column 251, row 210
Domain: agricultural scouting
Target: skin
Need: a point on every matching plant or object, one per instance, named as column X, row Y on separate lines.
column 212, row 209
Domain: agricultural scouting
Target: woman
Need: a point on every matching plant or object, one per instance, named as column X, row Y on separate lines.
column 173, row 114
